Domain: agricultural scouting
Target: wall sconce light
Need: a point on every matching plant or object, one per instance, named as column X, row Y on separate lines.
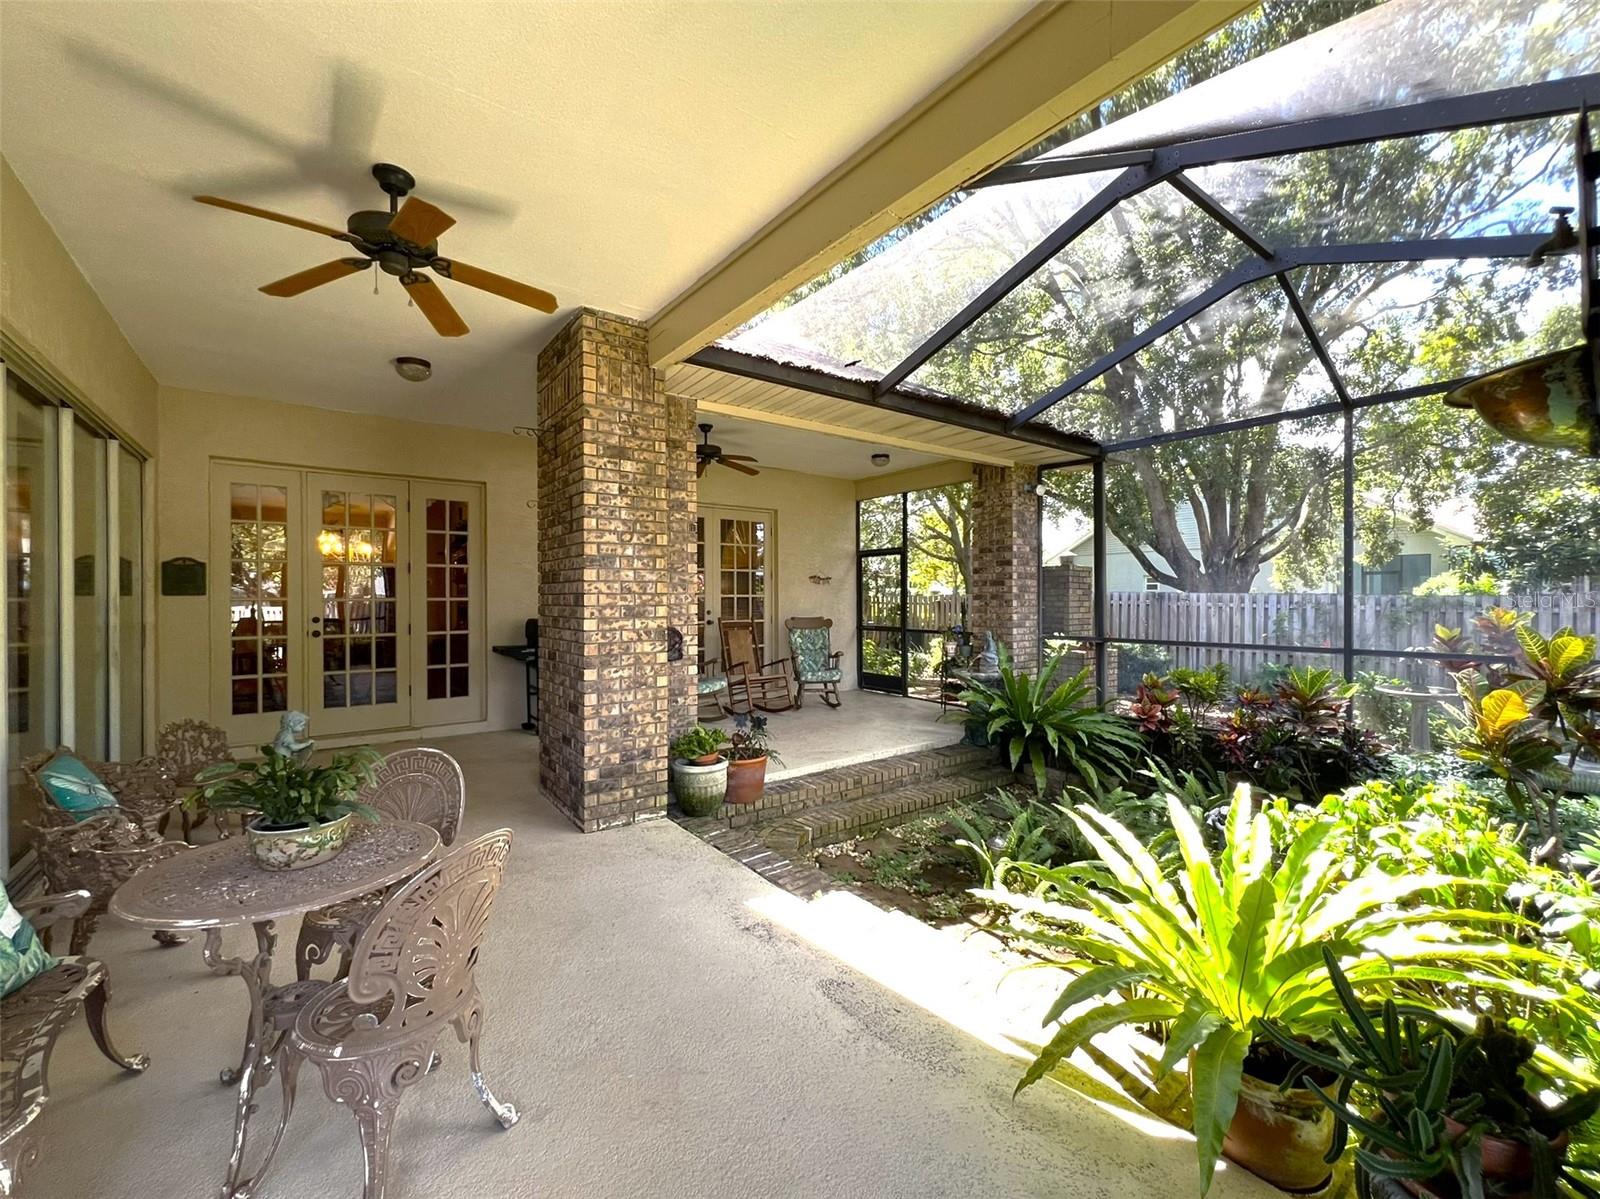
column 413, row 370
column 880, row 459
column 524, row 431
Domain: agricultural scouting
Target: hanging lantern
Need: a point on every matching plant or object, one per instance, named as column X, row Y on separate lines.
column 1548, row 401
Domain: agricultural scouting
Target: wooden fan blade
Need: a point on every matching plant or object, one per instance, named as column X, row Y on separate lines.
column 441, row 314
column 739, row 458
column 744, row 470
column 699, row 467
column 268, row 215
column 419, row 222
column 488, row 281
column 293, row 285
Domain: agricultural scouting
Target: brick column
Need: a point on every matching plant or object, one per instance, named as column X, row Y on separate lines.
column 683, row 492
column 1005, row 559
column 605, row 573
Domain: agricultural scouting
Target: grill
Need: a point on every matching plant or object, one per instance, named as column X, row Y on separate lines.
column 528, row 655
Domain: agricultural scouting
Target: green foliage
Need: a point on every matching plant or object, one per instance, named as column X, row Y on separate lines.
column 1045, row 722
column 697, row 743
column 751, row 739
column 286, row 792
column 1237, row 940
column 1499, row 732
column 1411, row 1069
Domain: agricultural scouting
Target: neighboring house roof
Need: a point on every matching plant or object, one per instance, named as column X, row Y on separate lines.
column 1451, row 522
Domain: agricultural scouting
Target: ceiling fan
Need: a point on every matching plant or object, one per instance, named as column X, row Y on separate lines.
column 705, row 454
column 402, row 241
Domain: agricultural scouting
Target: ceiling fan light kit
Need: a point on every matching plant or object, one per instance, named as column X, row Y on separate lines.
column 403, row 242
column 413, row 370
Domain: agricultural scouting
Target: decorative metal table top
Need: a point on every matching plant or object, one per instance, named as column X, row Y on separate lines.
column 219, row 885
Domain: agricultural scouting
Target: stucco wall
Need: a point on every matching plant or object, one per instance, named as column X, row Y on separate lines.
column 54, row 317
column 197, row 427
column 816, row 535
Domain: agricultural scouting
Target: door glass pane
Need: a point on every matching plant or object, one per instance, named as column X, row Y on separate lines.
column 447, row 541
column 32, row 571
column 259, row 579
column 89, row 592
column 743, row 593
column 130, row 597
column 358, row 592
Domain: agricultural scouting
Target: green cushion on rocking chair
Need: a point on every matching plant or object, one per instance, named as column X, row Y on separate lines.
column 811, row 651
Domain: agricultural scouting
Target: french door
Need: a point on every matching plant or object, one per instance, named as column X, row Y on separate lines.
column 356, row 599
column 357, row 612
column 735, row 574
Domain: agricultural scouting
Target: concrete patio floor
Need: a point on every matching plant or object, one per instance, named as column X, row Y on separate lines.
column 668, row 1023
column 865, row 727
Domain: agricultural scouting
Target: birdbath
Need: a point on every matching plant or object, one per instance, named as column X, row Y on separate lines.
column 1421, row 699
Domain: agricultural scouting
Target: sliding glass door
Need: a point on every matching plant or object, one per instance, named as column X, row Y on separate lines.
column 74, row 592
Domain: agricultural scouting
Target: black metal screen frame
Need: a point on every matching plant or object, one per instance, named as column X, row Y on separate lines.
column 1165, row 166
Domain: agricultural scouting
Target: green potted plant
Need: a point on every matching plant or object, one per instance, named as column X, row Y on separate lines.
column 699, row 770
column 749, row 749
column 1233, row 943
column 303, row 813
column 1443, row 1110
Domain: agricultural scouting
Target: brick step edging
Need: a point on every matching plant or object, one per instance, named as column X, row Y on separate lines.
column 831, row 823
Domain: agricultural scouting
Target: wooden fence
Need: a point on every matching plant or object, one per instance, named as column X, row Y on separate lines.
column 1315, row 619
column 936, row 612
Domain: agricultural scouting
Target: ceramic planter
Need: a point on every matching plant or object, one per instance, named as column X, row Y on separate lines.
column 296, row 846
column 1546, row 401
column 1281, row 1136
column 700, row 785
column 747, row 779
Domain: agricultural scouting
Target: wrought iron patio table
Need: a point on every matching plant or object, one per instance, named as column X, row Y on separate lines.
column 220, row 886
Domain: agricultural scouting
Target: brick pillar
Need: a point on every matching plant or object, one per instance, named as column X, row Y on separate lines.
column 1005, row 559
column 605, row 573
column 683, row 491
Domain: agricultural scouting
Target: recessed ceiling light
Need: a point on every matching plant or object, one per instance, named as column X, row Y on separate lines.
column 413, row 370
column 880, row 459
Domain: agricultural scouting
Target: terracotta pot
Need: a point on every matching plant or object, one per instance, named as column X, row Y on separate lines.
column 1507, row 1167
column 1281, row 1136
column 700, row 785
column 747, row 779
column 296, row 846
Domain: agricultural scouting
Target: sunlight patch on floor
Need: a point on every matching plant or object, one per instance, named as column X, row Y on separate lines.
column 955, row 974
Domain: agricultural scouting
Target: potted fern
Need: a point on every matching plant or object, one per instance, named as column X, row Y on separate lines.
column 1233, row 944
column 303, row 813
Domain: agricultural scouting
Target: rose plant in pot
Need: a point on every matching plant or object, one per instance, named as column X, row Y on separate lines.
column 699, row 770
column 1442, row 1108
column 1212, row 955
column 749, row 750
column 303, row 813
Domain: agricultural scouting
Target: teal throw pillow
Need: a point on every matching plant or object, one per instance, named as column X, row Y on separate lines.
column 22, row 957
column 74, row 788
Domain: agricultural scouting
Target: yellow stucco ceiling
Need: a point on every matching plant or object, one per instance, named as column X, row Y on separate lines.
column 610, row 152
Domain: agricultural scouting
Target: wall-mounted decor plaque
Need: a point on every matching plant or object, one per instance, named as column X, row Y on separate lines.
column 183, row 576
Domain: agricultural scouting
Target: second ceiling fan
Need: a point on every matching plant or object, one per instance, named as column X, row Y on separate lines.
column 705, row 454
column 404, row 242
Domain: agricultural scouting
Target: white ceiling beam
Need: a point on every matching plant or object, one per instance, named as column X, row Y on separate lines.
column 1054, row 63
